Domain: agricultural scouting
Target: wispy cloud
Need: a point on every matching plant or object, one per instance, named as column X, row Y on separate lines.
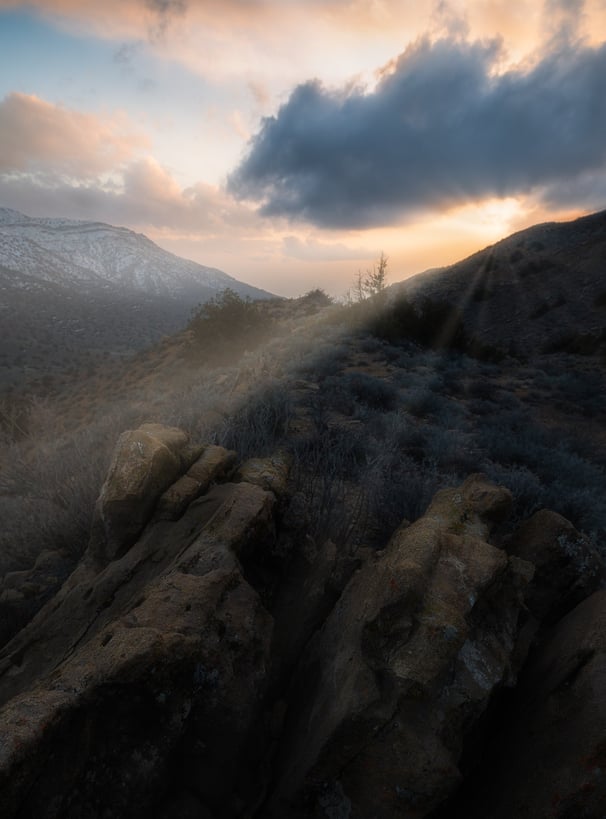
column 140, row 193
column 37, row 136
column 311, row 249
column 563, row 20
column 165, row 12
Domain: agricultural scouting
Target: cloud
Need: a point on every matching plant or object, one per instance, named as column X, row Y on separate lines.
column 443, row 128
column 449, row 21
column 310, row 249
column 112, row 18
column 142, row 195
column 37, row 136
column 125, row 54
column 55, row 160
column 164, row 11
column 266, row 41
column 563, row 20
column 587, row 191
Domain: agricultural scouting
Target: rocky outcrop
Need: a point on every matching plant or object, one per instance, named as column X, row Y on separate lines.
column 404, row 665
column 208, row 660
column 148, row 670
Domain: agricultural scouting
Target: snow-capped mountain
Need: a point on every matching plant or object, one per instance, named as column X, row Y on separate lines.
column 78, row 253
column 73, row 293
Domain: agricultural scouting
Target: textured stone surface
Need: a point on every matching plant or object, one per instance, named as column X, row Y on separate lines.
column 145, row 462
column 269, row 473
column 156, row 684
column 549, row 759
column 568, row 568
column 152, row 669
column 214, row 464
column 404, row 665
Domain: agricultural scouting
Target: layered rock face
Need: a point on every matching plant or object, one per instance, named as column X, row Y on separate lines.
column 140, row 652
column 549, row 758
column 405, row 664
column 193, row 666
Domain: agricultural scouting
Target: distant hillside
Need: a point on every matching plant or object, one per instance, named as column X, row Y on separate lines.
column 542, row 289
column 72, row 291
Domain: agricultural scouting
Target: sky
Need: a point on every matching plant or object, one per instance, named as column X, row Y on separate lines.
column 290, row 142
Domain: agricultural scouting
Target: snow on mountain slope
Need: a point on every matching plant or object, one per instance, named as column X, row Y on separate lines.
column 94, row 254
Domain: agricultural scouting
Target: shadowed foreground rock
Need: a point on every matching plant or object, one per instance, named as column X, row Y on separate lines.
column 404, row 666
column 568, row 568
column 189, row 668
column 164, row 645
column 549, row 759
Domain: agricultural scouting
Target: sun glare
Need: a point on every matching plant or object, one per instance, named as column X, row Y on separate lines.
column 491, row 218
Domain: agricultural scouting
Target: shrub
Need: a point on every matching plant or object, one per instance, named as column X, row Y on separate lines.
column 227, row 325
column 260, row 425
column 315, row 300
column 581, row 343
column 369, row 390
column 433, row 324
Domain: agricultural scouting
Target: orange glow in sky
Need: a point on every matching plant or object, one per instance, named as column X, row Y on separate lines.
column 422, row 130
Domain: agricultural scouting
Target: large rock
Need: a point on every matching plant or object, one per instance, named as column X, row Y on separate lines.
column 146, row 461
column 214, row 464
column 549, row 759
column 269, row 473
column 145, row 677
column 404, row 667
column 568, row 567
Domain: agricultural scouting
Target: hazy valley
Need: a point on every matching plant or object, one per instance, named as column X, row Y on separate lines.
column 306, row 602
column 74, row 293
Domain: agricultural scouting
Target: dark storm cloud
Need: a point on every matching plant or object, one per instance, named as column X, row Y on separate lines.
column 441, row 129
column 586, row 191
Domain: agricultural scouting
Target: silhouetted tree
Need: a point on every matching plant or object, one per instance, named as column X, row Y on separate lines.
column 375, row 281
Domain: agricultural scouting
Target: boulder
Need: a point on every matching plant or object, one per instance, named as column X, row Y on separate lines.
column 568, row 567
column 548, row 761
column 145, row 462
column 404, row 666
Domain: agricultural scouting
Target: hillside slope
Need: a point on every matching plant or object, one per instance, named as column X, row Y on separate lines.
column 540, row 289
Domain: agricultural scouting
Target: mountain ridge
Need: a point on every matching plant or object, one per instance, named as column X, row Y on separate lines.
column 72, row 291
column 73, row 249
